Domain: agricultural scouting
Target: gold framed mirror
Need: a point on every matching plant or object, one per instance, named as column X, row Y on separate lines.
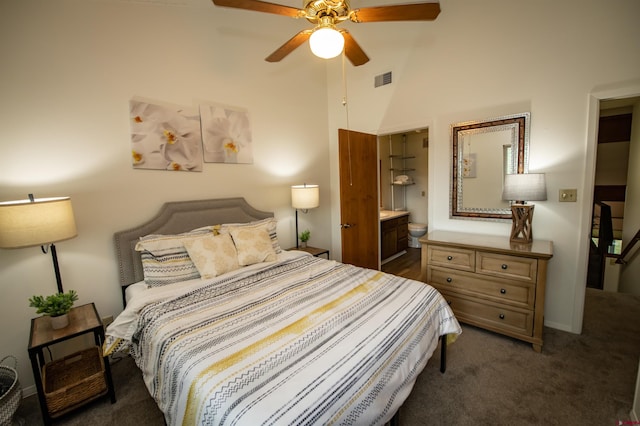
column 482, row 153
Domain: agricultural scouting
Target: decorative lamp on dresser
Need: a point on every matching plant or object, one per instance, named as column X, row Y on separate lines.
column 489, row 281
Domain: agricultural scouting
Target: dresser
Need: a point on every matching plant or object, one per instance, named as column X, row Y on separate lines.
column 489, row 281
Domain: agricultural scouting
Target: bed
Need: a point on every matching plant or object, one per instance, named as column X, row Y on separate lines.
column 281, row 338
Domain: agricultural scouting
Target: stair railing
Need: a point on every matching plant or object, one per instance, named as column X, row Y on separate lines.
column 621, row 258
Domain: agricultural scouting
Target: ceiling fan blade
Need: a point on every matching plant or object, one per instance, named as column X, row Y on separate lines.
column 402, row 12
column 352, row 49
column 289, row 46
column 260, row 6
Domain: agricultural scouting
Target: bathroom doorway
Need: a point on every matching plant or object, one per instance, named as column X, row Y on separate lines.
column 403, row 174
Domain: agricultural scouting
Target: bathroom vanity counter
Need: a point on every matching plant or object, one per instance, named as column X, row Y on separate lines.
column 394, row 232
column 390, row 214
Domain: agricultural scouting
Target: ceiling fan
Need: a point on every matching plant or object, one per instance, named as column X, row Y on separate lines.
column 325, row 15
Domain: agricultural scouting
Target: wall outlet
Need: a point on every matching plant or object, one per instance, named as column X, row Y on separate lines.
column 568, row 195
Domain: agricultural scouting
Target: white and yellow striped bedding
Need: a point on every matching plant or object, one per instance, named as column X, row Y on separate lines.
column 302, row 340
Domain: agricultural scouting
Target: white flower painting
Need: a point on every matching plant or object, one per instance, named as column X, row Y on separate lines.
column 165, row 138
column 469, row 166
column 226, row 134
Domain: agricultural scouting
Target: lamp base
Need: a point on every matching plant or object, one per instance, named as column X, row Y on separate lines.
column 521, row 229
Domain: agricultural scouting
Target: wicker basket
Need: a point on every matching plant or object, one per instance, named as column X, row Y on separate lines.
column 73, row 379
column 10, row 391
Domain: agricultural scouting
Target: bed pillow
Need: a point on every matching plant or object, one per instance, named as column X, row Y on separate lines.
column 253, row 245
column 165, row 259
column 269, row 224
column 213, row 255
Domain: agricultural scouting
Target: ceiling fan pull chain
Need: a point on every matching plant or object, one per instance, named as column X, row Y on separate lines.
column 345, row 104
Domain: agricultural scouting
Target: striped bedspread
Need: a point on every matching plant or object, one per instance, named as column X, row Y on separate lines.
column 301, row 341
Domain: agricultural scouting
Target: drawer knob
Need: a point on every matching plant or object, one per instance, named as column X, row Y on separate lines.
column 449, row 279
column 501, row 316
column 504, row 266
column 449, row 257
column 503, row 291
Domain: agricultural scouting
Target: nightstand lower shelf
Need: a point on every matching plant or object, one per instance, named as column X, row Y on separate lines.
column 74, row 380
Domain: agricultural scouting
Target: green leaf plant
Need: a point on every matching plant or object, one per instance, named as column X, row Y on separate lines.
column 55, row 304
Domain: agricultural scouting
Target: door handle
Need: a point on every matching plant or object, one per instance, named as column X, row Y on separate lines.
column 346, row 225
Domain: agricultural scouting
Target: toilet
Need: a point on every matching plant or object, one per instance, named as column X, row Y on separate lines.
column 416, row 230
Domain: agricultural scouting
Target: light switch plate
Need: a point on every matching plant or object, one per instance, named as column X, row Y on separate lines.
column 568, row 195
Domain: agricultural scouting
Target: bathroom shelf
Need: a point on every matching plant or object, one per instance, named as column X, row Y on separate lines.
column 398, row 169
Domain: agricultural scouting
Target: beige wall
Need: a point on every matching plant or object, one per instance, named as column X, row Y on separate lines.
column 69, row 68
column 416, row 201
column 612, row 165
column 480, row 60
column 629, row 281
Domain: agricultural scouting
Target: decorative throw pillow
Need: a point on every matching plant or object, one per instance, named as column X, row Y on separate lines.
column 253, row 245
column 213, row 256
column 165, row 259
column 269, row 224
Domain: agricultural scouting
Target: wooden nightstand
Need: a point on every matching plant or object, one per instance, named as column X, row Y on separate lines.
column 312, row 250
column 98, row 382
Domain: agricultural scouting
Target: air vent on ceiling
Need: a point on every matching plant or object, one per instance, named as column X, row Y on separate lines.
column 382, row 79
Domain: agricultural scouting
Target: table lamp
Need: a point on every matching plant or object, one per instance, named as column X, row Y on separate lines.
column 521, row 188
column 304, row 197
column 37, row 222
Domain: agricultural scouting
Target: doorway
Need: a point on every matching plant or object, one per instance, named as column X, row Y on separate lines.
column 361, row 171
column 608, row 192
column 403, row 174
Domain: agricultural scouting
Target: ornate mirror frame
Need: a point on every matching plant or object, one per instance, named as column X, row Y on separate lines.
column 510, row 134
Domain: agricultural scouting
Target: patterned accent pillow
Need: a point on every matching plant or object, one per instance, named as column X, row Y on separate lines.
column 213, row 256
column 253, row 246
column 165, row 259
column 269, row 224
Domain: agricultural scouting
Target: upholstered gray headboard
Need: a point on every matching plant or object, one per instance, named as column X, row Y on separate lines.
column 174, row 218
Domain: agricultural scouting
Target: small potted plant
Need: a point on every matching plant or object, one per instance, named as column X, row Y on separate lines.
column 304, row 237
column 57, row 306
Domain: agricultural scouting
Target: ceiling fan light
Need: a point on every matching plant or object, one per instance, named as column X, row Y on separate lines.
column 326, row 43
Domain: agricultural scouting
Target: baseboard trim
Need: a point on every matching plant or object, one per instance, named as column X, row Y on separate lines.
column 395, row 256
column 558, row 326
column 28, row 391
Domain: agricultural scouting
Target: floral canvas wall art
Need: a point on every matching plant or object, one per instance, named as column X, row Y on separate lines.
column 165, row 137
column 469, row 166
column 226, row 134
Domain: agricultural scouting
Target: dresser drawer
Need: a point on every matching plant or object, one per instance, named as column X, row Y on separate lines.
column 462, row 259
column 494, row 317
column 496, row 289
column 501, row 265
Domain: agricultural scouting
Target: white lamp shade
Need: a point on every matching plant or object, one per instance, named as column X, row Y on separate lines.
column 326, row 43
column 42, row 221
column 305, row 196
column 524, row 187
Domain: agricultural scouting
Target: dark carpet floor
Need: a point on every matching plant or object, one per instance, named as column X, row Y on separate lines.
column 586, row 379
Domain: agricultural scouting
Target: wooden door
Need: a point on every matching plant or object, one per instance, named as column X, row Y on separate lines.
column 359, row 215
